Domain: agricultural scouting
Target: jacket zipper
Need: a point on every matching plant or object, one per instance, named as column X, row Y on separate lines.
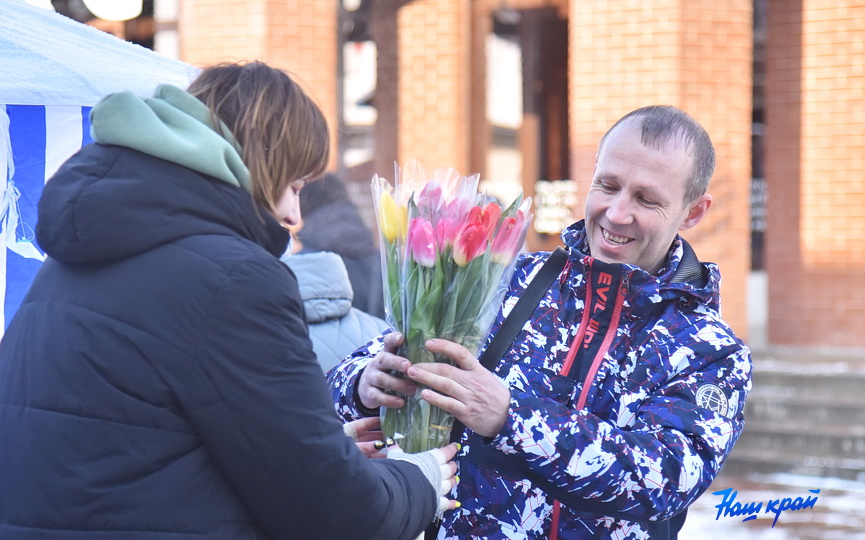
column 593, row 369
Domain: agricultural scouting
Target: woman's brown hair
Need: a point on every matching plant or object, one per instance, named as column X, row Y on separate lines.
column 281, row 131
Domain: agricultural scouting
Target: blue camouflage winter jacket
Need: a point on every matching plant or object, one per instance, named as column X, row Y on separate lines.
column 661, row 410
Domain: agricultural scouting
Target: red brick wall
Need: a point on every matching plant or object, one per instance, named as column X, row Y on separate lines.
column 815, row 166
column 299, row 37
column 383, row 27
column 432, row 95
column 693, row 54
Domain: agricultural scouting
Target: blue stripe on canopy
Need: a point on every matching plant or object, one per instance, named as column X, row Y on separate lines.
column 27, row 133
column 85, row 126
column 29, row 140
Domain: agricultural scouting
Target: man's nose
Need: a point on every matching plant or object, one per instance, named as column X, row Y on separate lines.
column 620, row 210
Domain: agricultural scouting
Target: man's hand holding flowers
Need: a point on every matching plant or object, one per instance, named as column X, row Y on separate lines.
column 470, row 392
column 378, row 386
column 467, row 390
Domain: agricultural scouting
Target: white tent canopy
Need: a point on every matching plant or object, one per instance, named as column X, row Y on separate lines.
column 49, row 59
column 53, row 70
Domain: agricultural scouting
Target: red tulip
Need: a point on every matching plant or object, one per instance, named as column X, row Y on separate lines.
column 470, row 242
column 488, row 216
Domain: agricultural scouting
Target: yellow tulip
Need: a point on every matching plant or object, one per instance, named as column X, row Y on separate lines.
column 392, row 218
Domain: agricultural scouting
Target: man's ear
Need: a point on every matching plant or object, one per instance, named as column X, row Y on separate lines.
column 697, row 210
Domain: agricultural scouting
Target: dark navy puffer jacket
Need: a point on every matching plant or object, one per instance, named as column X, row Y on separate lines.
column 158, row 381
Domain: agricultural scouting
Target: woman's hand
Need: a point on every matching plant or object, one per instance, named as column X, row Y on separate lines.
column 367, row 435
column 438, row 466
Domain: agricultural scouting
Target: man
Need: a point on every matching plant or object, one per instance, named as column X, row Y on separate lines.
column 613, row 444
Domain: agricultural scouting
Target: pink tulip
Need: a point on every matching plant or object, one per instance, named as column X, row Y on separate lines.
column 470, row 242
column 429, row 200
column 456, row 209
column 446, row 232
column 508, row 239
column 421, row 242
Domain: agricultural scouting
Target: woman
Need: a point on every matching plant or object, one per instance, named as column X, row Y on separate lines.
column 158, row 380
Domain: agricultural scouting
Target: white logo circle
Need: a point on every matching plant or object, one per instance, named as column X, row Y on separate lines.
column 711, row 397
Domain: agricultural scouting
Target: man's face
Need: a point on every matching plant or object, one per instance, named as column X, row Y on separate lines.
column 636, row 205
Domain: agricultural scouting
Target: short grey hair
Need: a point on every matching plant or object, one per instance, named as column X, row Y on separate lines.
column 661, row 123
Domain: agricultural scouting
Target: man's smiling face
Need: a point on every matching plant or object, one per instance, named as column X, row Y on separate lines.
column 635, row 206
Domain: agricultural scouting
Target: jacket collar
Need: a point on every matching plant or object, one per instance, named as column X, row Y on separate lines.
column 690, row 269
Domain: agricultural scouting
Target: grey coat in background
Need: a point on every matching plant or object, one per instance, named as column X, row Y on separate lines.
column 332, row 222
column 336, row 328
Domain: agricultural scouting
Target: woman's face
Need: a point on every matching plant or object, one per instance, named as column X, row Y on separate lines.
column 287, row 209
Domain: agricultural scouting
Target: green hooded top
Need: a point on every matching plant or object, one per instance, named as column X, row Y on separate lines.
column 174, row 126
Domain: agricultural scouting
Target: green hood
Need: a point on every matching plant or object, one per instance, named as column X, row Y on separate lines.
column 174, row 126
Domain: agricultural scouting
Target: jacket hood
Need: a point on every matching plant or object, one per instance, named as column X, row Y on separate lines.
column 107, row 202
column 682, row 276
column 172, row 125
column 324, row 284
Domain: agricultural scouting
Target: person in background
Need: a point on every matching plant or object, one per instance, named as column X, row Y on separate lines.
column 158, row 380
column 616, row 403
column 335, row 326
column 332, row 222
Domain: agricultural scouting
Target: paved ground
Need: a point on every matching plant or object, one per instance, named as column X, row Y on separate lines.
column 838, row 514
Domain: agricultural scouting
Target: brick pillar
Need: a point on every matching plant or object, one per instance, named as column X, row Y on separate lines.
column 383, row 27
column 815, row 165
column 693, row 54
column 299, row 37
column 434, row 44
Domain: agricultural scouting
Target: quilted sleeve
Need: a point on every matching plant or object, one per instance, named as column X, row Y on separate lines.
column 343, row 378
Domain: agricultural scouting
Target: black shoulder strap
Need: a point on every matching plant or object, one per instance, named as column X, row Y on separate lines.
column 521, row 311
column 524, row 307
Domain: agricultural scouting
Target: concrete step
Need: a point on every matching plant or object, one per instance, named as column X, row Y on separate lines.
column 765, row 407
column 796, row 440
column 805, row 415
column 745, row 462
column 795, row 382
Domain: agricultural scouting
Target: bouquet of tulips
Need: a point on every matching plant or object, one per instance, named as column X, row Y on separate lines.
column 447, row 254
